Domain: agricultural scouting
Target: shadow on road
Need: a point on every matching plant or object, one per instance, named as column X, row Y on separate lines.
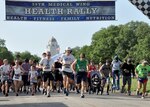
column 4, row 100
column 36, row 105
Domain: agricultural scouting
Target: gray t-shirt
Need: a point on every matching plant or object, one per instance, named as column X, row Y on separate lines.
column 4, row 71
column 33, row 76
column 116, row 65
column 47, row 64
column 66, row 62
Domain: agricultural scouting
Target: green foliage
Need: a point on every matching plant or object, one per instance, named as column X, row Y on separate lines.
column 128, row 40
column 76, row 51
column 4, row 52
column 35, row 58
column 26, row 55
column 2, row 42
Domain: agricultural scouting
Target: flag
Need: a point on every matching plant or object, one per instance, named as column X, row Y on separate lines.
column 142, row 5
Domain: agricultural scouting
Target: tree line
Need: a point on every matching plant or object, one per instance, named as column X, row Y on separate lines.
column 6, row 54
column 131, row 40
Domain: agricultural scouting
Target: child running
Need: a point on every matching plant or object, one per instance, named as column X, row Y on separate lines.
column 33, row 78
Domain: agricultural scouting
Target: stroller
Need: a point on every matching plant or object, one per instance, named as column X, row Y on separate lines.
column 95, row 86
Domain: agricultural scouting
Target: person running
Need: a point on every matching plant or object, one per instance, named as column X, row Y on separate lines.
column 17, row 78
column 33, row 74
column 80, row 68
column 91, row 67
column 116, row 64
column 142, row 71
column 127, row 70
column 39, row 77
column 105, row 71
column 67, row 59
column 5, row 75
column 26, row 66
column 47, row 64
column 58, row 75
column 42, row 72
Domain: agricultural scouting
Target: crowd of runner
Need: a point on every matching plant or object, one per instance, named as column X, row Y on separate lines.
column 70, row 74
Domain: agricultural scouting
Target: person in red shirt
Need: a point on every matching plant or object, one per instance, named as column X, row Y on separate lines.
column 91, row 67
column 1, row 62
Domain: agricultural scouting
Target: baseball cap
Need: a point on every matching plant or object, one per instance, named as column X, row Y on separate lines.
column 68, row 49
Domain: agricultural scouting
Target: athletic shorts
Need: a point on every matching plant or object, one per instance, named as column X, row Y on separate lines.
column 3, row 81
column 58, row 75
column 81, row 76
column 47, row 75
column 142, row 80
column 126, row 79
column 25, row 80
column 68, row 74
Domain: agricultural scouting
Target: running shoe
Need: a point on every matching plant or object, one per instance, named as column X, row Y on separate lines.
column 143, row 97
column 82, row 96
column 48, row 95
column 67, row 93
column 137, row 93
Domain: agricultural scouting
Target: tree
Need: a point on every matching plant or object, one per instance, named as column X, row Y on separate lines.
column 4, row 52
column 35, row 58
column 26, row 55
column 128, row 40
column 2, row 42
column 76, row 51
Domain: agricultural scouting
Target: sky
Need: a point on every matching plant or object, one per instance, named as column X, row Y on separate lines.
column 23, row 36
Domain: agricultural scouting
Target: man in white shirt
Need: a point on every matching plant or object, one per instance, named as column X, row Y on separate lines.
column 67, row 59
column 47, row 65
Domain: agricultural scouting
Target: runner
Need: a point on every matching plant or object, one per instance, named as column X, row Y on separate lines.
column 116, row 64
column 91, row 68
column 80, row 67
column 47, row 64
column 33, row 74
column 58, row 75
column 5, row 76
column 26, row 66
column 105, row 71
column 39, row 77
column 127, row 70
column 67, row 59
column 42, row 72
column 141, row 72
column 17, row 78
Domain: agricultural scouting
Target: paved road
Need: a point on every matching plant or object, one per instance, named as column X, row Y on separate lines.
column 73, row 100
